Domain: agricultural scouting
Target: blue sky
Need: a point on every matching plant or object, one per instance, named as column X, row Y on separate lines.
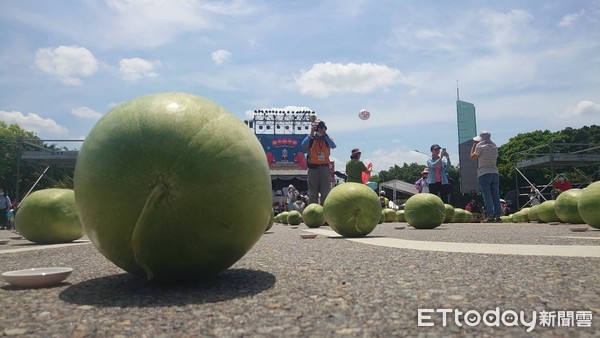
column 526, row 65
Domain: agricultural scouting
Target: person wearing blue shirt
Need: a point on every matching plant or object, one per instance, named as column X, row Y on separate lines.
column 438, row 177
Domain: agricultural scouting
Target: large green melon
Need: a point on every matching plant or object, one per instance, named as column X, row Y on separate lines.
column 313, row 215
column 352, row 209
column 49, row 216
column 390, row 215
column 294, row 217
column 424, row 211
column 449, row 213
column 460, row 215
column 547, row 213
column 400, row 216
column 271, row 221
column 533, row 213
column 283, row 217
column 468, row 216
column 589, row 205
column 524, row 215
column 566, row 206
column 172, row 187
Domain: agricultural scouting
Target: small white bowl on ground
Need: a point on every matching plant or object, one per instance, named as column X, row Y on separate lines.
column 36, row 277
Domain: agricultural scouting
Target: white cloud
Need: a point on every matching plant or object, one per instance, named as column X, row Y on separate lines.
column 428, row 34
column 33, row 122
column 151, row 24
column 324, row 79
column 86, row 112
column 135, row 69
column 570, row 19
column 220, row 56
column 583, row 108
column 68, row 63
column 507, row 28
column 384, row 159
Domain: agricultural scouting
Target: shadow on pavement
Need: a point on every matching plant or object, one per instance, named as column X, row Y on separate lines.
column 126, row 290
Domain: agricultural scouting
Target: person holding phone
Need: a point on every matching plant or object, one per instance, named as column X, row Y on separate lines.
column 318, row 145
column 438, row 177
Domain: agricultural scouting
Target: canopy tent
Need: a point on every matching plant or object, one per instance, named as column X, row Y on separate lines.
column 580, row 155
column 398, row 187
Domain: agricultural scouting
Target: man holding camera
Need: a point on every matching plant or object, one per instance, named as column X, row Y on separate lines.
column 318, row 145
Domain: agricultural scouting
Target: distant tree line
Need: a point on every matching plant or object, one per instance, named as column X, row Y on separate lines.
column 515, row 150
column 522, row 146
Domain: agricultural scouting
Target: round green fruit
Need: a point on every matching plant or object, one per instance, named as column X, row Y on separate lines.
column 524, row 215
column 390, row 215
column 352, row 209
column 400, row 216
column 313, row 215
column 271, row 221
column 566, row 206
column 449, row 213
column 533, row 213
column 589, row 205
column 49, row 216
column 155, row 181
column 460, row 215
column 294, row 217
column 424, row 211
column 547, row 213
column 283, row 217
column 468, row 216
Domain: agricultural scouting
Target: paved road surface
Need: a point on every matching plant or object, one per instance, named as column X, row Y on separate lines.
column 329, row 287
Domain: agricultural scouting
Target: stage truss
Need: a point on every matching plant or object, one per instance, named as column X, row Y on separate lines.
column 281, row 121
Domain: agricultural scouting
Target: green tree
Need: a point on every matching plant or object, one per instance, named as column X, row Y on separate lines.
column 14, row 139
column 539, row 143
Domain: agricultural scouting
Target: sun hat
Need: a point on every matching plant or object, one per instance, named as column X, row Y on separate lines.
column 356, row 151
column 425, row 171
column 484, row 135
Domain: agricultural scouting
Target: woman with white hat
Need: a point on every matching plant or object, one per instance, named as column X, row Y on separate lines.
column 421, row 184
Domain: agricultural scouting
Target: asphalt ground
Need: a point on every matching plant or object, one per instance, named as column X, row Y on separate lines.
column 327, row 287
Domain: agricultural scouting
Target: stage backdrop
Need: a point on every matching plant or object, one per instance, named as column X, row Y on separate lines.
column 284, row 151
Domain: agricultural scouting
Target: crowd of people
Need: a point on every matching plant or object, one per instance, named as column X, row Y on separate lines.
column 434, row 178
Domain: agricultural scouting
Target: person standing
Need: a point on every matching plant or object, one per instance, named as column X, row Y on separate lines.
column 486, row 153
column 5, row 206
column 292, row 193
column 299, row 204
column 561, row 184
column 318, row 145
column 421, row 184
column 355, row 167
column 438, row 177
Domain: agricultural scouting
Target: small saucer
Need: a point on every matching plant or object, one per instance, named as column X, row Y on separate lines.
column 553, row 223
column 16, row 237
column 400, row 227
column 36, row 277
column 308, row 236
column 4, row 241
column 579, row 229
column 294, row 227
